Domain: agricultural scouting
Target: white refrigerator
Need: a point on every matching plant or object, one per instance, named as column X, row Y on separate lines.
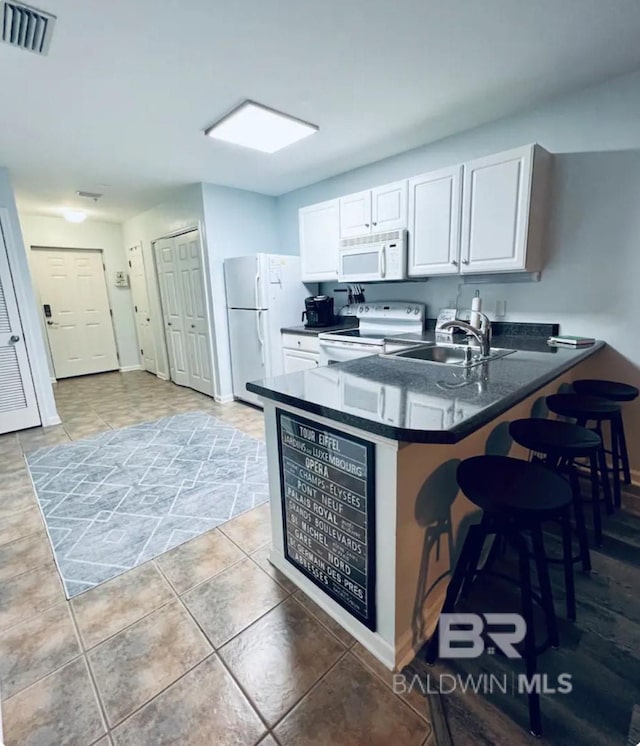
column 264, row 293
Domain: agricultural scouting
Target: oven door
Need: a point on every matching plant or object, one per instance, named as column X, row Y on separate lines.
column 334, row 351
column 361, row 264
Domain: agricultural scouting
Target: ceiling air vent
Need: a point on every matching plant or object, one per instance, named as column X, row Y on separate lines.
column 26, row 27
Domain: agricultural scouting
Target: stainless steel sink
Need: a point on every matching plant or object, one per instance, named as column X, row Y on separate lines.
column 464, row 356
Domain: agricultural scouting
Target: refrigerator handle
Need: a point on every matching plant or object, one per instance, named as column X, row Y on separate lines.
column 258, row 290
column 258, row 319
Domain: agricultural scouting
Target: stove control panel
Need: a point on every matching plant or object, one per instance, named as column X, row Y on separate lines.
column 387, row 311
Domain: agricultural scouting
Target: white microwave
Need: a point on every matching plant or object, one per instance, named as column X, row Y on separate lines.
column 373, row 258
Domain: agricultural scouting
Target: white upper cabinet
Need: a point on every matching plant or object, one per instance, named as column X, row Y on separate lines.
column 503, row 211
column 389, row 207
column 484, row 216
column 355, row 214
column 374, row 210
column 434, row 223
column 319, row 227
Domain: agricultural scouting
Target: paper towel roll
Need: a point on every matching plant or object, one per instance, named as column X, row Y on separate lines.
column 476, row 305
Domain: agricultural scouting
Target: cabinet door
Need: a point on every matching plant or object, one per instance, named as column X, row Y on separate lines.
column 434, row 223
column 319, row 227
column 389, row 207
column 355, row 214
column 495, row 211
column 295, row 361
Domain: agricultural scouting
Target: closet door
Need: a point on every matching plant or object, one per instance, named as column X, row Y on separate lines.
column 141, row 308
column 194, row 311
column 171, row 297
column 18, row 405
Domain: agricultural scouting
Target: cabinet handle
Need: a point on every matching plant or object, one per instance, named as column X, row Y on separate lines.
column 454, row 262
column 465, row 261
column 366, row 225
column 374, row 223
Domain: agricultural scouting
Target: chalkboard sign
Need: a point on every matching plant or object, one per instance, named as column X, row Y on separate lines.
column 327, row 482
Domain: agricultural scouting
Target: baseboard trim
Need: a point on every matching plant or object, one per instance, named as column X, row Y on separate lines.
column 50, row 422
column 129, row 368
column 224, row 399
column 163, row 376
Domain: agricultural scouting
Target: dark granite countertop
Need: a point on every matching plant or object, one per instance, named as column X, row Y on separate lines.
column 346, row 323
column 420, row 402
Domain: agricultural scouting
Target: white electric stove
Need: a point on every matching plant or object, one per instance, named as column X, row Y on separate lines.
column 376, row 322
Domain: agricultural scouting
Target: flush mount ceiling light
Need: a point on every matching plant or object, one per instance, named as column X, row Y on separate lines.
column 74, row 216
column 261, row 128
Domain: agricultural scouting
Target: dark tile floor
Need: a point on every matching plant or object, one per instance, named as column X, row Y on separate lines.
column 208, row 644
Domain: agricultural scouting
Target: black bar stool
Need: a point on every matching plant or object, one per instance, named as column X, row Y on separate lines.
column 585, row 409
column 560, row 443
column 617, row 392
column 516, row 497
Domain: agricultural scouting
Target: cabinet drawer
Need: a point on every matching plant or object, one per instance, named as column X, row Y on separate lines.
column 302, row 342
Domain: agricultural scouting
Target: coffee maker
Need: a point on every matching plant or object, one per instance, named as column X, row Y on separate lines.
column 318, row 311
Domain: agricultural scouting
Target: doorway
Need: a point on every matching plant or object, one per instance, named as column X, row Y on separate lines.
column 184, row 309
column 18, row 405
column 77, row 315
column 141, row 308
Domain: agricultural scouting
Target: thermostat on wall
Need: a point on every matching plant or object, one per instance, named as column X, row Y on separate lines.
column 122, row 280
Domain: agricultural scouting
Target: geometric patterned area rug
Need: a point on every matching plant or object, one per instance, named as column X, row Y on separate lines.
column 115, row 500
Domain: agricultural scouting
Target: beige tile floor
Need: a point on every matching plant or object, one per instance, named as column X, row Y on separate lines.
column 208, row 644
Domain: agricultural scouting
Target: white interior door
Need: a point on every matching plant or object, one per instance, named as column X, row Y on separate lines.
column 141, row 308
column 194, row 311
column 73, row 293
column 171, row 297
column 18, row 405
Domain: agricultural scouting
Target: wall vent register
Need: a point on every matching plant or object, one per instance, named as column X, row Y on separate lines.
column 26, row 27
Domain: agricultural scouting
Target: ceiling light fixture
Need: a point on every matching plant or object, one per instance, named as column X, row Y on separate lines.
column 256, row 126
column 74, row 216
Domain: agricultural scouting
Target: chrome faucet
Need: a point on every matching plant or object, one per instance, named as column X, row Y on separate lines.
column 482, row 335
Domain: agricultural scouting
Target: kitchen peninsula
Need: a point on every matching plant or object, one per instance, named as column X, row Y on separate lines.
column 366, row 513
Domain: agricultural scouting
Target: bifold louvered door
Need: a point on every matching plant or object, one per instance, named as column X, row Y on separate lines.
column 18, row 405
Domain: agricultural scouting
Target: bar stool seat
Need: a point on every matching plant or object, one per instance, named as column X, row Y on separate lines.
column 613, row 390
column 516, row 496
column 554, row 436
column 584, row 409
column 617, row 392
column 560, row 443
column 496, row 482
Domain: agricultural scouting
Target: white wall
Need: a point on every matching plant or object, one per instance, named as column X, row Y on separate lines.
column 237, row 223
column 233, row 222
column 181, row 212
column 590, row 282
column 57, row 233
column 29, row 316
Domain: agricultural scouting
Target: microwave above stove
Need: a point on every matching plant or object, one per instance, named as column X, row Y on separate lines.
column 373, row 258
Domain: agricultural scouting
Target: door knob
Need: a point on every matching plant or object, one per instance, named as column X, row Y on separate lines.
column 14, row 338
column 168, row 323
column 193, row 326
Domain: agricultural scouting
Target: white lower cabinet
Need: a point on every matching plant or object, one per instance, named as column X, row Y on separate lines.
column 300, row 352
column 295, row 361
